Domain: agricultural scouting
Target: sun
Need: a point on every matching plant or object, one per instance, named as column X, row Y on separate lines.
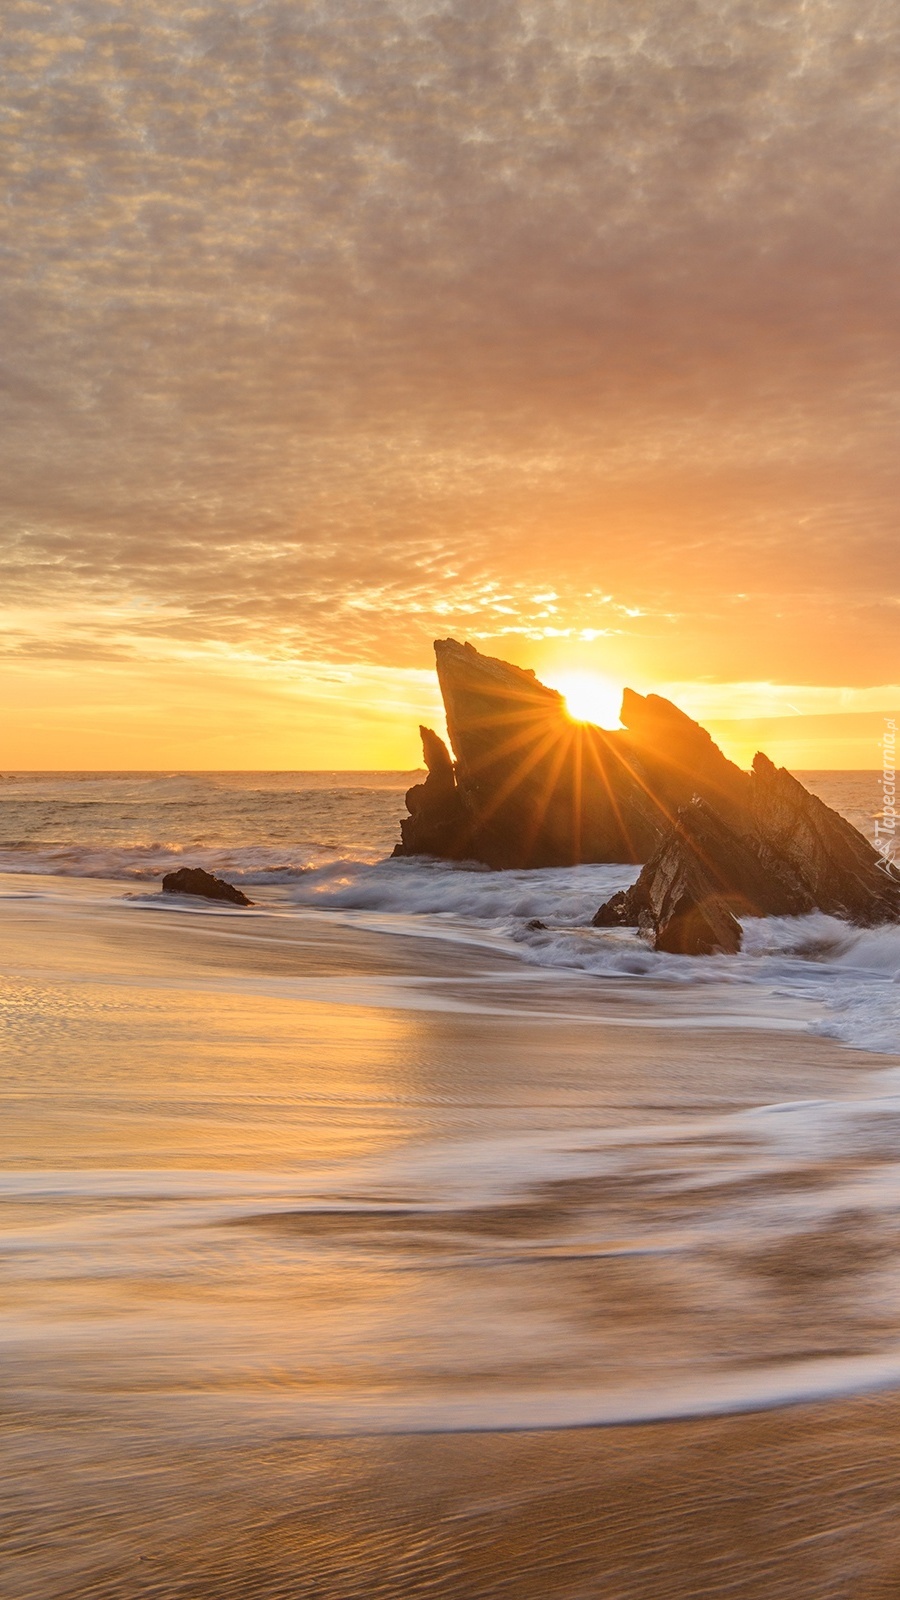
column 589, row 697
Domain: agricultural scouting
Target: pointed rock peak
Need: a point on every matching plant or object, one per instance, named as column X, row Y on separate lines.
column 762, row 765
column 437, row 756
column 647, row 715
column 462, row 663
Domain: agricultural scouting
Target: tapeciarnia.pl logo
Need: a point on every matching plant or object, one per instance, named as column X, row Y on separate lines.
column 886, row 826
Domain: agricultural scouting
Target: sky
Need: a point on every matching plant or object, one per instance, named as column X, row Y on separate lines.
column 328, row 329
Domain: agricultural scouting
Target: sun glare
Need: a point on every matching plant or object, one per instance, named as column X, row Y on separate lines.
column 589, row 697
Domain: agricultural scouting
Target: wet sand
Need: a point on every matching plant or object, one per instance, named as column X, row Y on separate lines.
column 146, row 1043
column 270, row 1017
column 799, row 1504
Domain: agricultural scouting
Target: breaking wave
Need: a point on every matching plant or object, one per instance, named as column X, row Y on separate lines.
column 327, row 844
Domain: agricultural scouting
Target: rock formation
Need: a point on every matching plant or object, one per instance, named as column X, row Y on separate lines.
column 530, row 787
column 437, row 824
column 833, row 866
column 683, row 898
column 786, row 853
column 193, row 880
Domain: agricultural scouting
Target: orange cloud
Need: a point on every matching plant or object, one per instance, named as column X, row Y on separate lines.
column 328, row 330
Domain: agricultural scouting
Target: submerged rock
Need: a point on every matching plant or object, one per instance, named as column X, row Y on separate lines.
column 193, row 880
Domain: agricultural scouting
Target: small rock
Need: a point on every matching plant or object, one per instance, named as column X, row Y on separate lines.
column 193, row 880
column 614, row 913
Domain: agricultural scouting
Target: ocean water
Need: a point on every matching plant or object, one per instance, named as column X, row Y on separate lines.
column 305, row 842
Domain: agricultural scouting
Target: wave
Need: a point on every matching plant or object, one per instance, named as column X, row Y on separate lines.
column 148, row 861
column 447, row 888
column 709, row 1393
column 848, row 978
column 850, row 975
column 338, row 882
column 753, row 1211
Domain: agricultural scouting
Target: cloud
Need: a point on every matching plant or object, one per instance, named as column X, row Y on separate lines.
column 322, row 319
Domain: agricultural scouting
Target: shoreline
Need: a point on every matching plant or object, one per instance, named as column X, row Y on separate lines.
column 233, row 1202
column 93, row 935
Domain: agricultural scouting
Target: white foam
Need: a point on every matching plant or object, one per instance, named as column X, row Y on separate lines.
column 318, row 843
column 447, row 888
column 851, row 976
column 717, row 1182
column 708, row 1393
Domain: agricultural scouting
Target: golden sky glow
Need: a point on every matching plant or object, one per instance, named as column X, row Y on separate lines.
column 330, row 329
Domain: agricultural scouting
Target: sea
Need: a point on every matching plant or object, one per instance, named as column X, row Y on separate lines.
column 322, row 841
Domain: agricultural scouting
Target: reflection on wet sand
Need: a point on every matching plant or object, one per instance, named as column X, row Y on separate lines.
column 421, row 1191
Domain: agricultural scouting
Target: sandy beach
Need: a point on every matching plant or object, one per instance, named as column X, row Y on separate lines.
column 311, row 1329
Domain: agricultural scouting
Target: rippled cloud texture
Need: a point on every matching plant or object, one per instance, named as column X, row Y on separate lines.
column 331, row 327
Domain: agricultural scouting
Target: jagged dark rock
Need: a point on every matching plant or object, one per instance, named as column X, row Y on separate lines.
column 789, row 854
column 697, row 882
column 193, row 880
column 615, row 912
column 530, row 787
column 524, row 769
column 837, row 869
column 438, row 822
column 677, row 758
column 533, row 788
